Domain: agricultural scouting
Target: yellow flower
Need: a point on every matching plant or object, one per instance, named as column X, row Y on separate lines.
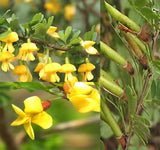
column 9, row 39
column 4, row 3
column 68, row 69
column 6, row 57
column 52, row 32
column 26, row 51
column 39, row 67
column 88, row 46
column 87, row 68
column 49, row 72
column 33, row 112
column 53, row 6
column 69, row 12
column 84, row 98
column 23, row 72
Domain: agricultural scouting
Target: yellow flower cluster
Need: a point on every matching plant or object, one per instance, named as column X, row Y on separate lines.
column 83, row 96
column 47, row 70
column 33, row 112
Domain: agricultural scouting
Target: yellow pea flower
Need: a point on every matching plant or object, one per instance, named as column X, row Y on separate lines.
column 26, row 51
column 6, row 57
column 39, row 67
column 52, row 32
column 87, row 68
column 69, row 12
column 88, row 46
column 84, row 98
column 33, row 112
column 49, row 72
column 68, row 69
column 23, row 72
column 53, row 6
column 9, row 39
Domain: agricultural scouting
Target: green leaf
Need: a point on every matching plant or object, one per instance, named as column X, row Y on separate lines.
column 153, row 89
column 40, row 29
column 75, row 35
column 13, row 22
column 141, row 134
column 67, row 33
column 132, row 101
column 158, row 89
column 141, row 3
column 30, row 86
column 4, row 34
column 36, row 19
column 61, row 34
column 89, row 35
column 143, row 127
column 143, row 119
column 148, row 13
column 50, row 20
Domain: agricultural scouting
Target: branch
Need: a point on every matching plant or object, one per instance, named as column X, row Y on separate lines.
column 71, row 124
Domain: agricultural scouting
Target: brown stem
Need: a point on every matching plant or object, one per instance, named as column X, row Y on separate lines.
column 149, row 74
column 139, row 108
column 5, row 134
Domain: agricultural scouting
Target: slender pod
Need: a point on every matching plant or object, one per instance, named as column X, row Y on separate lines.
column 113, row 88
column 122, row 18
column 106, row 75
column 113, row 55
column 107, row 116
column 136, row 49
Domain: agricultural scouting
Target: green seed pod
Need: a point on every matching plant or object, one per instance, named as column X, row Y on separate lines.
column 122, row 18
column 113, row 88
column 113, row 55
column 106, row 75
column 136, row 49
column 107, row 117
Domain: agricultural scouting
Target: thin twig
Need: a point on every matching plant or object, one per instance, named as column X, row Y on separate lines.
column 71, row 124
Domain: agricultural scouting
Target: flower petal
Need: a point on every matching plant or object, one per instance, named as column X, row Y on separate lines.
column 18, row 110
column 83, row 104
column 81, row 88
column 33, row 105
column 29, row 130
column 19, row 121
column 42, row 119
column 91, row 50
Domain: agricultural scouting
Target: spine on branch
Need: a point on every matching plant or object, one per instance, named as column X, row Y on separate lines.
column 136, row 49
column 113, row 55
column 108, row 117
column 113, row 88
column 122, row 18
